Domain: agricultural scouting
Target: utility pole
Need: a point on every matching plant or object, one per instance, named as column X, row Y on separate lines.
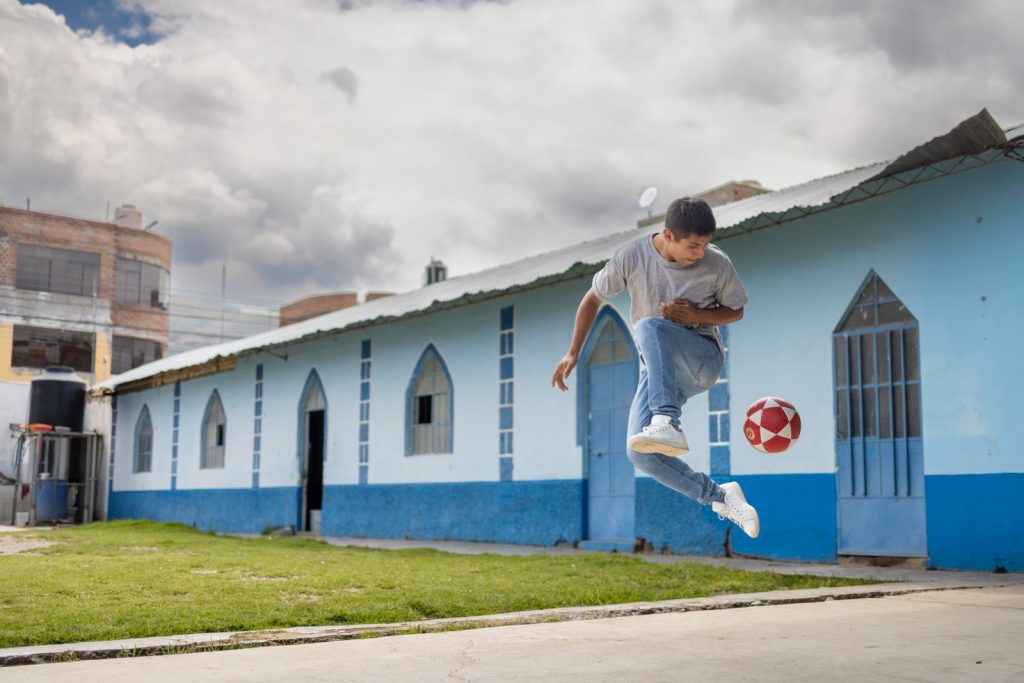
column 223, row 297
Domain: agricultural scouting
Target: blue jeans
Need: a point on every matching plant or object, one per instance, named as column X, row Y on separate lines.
column 678, row 364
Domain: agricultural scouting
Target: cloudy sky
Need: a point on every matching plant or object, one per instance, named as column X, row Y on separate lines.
column 329, row 145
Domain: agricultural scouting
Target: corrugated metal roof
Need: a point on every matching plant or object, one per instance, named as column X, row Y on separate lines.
column 562, row 264
column 971, row 136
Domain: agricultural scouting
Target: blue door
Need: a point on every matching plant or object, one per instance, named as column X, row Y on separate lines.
column 611, row 377
column 879, row 455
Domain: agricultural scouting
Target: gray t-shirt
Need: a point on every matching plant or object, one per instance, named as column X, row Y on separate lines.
column 709, row 283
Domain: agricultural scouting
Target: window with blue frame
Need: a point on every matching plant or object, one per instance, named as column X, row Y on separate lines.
column 429, row 409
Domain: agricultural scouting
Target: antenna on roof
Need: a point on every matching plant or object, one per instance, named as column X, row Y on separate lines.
column 647, row 199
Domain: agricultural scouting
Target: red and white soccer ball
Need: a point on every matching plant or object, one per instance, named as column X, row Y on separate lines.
column 772, row 424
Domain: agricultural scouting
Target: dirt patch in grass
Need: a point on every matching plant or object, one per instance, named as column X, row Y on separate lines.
column 16, row 543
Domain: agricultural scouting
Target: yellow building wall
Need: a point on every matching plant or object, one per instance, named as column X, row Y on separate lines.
column 100, row 361
column 101, row 358
column 6, row 350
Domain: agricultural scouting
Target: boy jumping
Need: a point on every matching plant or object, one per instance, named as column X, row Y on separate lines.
column 681, row 289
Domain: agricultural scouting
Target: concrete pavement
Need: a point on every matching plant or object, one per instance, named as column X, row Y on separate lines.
column 939, row 635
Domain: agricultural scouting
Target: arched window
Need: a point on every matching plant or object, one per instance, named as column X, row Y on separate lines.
column 213, row 433
column 611, row 345
column 608, row 343
column 429, row 406
column 143, row 457
column 878, row 385
column 313, row 393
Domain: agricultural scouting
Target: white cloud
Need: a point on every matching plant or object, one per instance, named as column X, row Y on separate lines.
column 344, row 80
column 312, row 147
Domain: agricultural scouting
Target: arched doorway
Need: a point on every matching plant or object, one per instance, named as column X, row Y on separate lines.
column 879, row 454
column 312, row 451
column 610, row 374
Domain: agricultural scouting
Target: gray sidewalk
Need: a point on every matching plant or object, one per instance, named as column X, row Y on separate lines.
column 938, row 635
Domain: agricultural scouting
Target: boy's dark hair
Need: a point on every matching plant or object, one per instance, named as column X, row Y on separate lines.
column 688, row 216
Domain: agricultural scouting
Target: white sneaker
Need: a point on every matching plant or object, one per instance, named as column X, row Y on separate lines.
column 661, row 436
column 736, row 509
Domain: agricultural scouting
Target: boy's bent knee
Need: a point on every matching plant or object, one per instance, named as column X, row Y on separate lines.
column 645, row 462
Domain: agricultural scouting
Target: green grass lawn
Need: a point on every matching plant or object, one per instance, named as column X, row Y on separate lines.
column 134, row 579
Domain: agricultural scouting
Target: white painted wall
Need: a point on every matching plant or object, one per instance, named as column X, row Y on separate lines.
column 160, row 402
column 14, row 398
column 466, row 337
column 924, row 242
column 98, row 419
column 948, row 249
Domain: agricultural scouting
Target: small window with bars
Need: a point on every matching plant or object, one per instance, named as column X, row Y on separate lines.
column 141, row 283
column 61, row 271
column 130, row 352
column 41, row 347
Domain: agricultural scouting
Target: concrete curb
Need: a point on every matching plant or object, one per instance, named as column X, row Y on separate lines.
column 207, row 642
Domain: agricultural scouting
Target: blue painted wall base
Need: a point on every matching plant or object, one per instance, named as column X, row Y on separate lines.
column 247, row 511
column 798, row 517
column 671, row 522
column 971, row 521
column 525, row 512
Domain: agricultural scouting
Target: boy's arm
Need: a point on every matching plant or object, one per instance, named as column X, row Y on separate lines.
column 585, row 315
column 683, row 311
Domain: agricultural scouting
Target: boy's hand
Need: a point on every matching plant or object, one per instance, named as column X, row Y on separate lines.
column 562, row 371
column 680, row 311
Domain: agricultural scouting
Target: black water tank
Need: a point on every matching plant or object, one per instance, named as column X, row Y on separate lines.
column 57, row 398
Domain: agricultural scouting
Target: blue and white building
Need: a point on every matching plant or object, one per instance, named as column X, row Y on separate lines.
column 887, row 303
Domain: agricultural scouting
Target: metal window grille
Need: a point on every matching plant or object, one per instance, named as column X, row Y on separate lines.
column 61, row 271
column 877, row 383
column 40, row 347
column 142, row 283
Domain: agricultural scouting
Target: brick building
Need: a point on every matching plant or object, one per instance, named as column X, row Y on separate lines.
column 319, row 304
column 88, row 294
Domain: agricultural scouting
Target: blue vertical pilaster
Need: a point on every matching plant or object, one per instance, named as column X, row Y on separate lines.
column 365, row 371
column 718, row 415
column 506, row 391
column 257, row 426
